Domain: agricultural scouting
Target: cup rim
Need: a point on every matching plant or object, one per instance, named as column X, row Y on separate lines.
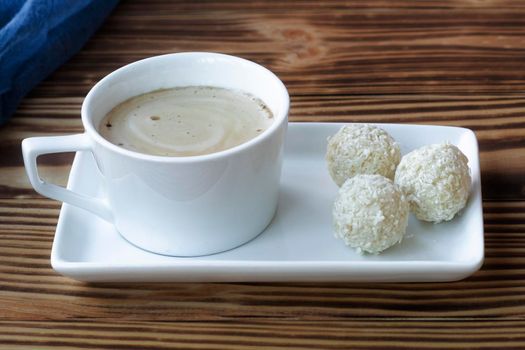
column 278, row 121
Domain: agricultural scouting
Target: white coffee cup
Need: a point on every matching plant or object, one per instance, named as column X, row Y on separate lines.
column 181, row 206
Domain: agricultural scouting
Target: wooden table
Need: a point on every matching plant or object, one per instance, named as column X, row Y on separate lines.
column 435, row 62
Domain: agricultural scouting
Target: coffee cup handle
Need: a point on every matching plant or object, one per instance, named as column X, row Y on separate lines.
column 36, row 146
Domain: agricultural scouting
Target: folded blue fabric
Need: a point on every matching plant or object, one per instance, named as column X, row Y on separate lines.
column 36, row 37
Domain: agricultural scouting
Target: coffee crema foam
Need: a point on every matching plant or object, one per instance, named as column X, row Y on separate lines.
column 186, row 121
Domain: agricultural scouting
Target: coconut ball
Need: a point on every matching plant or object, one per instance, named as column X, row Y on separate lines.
column 370, row 213
column 361, row 149
column 436, row 180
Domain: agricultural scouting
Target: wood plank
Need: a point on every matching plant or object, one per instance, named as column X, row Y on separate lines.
column 320, row 48
column 263, row 334
column 451, row 62
column 498, row 121
column 30, row 290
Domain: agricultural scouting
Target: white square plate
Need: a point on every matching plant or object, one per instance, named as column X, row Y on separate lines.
column 299, row 245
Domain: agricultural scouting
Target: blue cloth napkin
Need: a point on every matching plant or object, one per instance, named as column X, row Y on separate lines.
column 36, row 37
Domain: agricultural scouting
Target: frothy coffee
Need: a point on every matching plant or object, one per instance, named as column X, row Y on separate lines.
column 186, row 121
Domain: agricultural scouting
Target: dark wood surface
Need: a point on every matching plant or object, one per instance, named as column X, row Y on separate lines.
column 434, row 62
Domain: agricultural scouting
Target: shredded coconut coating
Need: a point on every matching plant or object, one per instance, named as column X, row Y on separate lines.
column 436, row 180
column 361, row 149
column 370, row 213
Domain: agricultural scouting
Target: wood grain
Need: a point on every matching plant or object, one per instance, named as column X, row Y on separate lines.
column 27, row 279
column 455, row 62
column 498, row 120
column 263, row 334
column 320, row 48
